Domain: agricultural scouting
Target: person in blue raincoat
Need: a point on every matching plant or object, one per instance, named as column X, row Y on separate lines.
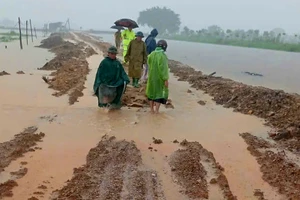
column 150, row 45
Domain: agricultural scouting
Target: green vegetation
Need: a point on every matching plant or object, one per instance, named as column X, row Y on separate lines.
column 164, row 19
column 168, row 24
column 9, row 36
column 259, row 44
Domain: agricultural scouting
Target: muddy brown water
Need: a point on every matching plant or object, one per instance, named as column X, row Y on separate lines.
column 280, row 69
column 79, row 127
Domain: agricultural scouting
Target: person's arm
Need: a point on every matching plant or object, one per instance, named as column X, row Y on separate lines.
column 164, row 69
column 124, row 75
column 127, row 56
column 98, row 78
column 152, row 45
column 145, row 54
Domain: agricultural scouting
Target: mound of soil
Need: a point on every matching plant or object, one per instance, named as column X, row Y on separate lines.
column 13, row 149
column 71, row 68
column 3, row 73
column 277, row 170
column 112, row 171
column 53, row 40
column 191, row 174
column 70, row 79
column 6, row 188
column 20, row 72
column 280, row 109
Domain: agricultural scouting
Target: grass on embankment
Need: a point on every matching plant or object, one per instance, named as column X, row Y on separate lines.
column 241, row 43
column 10, row 36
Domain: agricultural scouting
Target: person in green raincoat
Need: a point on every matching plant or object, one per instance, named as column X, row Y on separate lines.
column 137, row 56
column 127, row 35
column 110, row 81
column 158, row 75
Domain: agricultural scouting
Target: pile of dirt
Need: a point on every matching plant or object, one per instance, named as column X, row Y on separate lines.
column 112, row 171
column 281, row 110
column 71, row 68
column 20, row 72
column 103, row 46
column 186, row 165
column 6, row 188
column 13, row 149
column 135, row 97
column 3, row 73
column 53, row 40
column 70, row 79
column 277, row 170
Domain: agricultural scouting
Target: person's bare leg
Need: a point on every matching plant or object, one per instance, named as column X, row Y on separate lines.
column 157, row 106
column 151, row 106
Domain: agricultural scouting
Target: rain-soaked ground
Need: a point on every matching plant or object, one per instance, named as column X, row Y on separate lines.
column 131, row 163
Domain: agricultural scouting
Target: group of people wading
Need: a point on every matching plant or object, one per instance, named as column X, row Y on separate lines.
column 111, row 79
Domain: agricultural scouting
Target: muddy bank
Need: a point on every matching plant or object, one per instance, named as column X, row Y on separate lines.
column 14, row 149
column 280, row 110
column 4, row 73
column 70, row 65
column 191, row 174
column 278, row 170
column 113, row 170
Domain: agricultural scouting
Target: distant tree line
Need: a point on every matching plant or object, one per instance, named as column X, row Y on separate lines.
column 168, row 23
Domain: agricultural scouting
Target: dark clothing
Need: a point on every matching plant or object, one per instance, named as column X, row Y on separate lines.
column 151, row 42
column 161, row 100
column 111, row 73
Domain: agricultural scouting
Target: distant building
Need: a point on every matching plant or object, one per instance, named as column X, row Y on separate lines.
column 54, row 27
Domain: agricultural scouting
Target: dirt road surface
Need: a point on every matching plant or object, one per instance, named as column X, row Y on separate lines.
column 57, row 144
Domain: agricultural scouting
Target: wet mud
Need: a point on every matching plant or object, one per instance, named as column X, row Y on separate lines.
column 280, row 110
column 278, row 169
column 190, row 173
column 113, row 170
column 14, row 149
column 70, row 65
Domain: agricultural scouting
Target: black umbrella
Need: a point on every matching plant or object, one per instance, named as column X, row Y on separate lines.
column 117, row 27
column 126, row 23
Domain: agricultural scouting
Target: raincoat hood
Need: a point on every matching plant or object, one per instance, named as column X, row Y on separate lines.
column 154, row 32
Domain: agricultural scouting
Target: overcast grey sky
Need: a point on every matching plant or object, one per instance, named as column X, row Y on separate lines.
column 196, row 14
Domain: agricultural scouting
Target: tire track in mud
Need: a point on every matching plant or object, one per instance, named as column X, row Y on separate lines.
column 113, row 170
column 14, row 149
column 192, row 175
column 277, row 169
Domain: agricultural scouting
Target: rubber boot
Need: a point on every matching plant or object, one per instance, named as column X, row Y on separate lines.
column 133, row 82
column 137, row 85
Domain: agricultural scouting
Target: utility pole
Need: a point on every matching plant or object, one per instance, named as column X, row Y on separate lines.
column 27, row 31
column 21, row 45
column 31, row 30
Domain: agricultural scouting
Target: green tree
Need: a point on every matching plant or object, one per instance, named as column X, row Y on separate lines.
column 164, row 19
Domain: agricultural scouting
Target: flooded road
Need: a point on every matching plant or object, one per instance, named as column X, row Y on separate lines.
column 76, row 129
column 280, row 69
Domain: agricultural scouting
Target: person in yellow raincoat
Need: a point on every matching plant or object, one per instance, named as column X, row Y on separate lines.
column 157, row 89
column 137, row 56
column 127, row 36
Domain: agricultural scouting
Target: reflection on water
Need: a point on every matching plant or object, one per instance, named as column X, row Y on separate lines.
column 280, row 69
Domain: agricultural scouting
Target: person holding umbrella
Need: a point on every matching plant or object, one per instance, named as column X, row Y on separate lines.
column 137, row 56
column 127, row 36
